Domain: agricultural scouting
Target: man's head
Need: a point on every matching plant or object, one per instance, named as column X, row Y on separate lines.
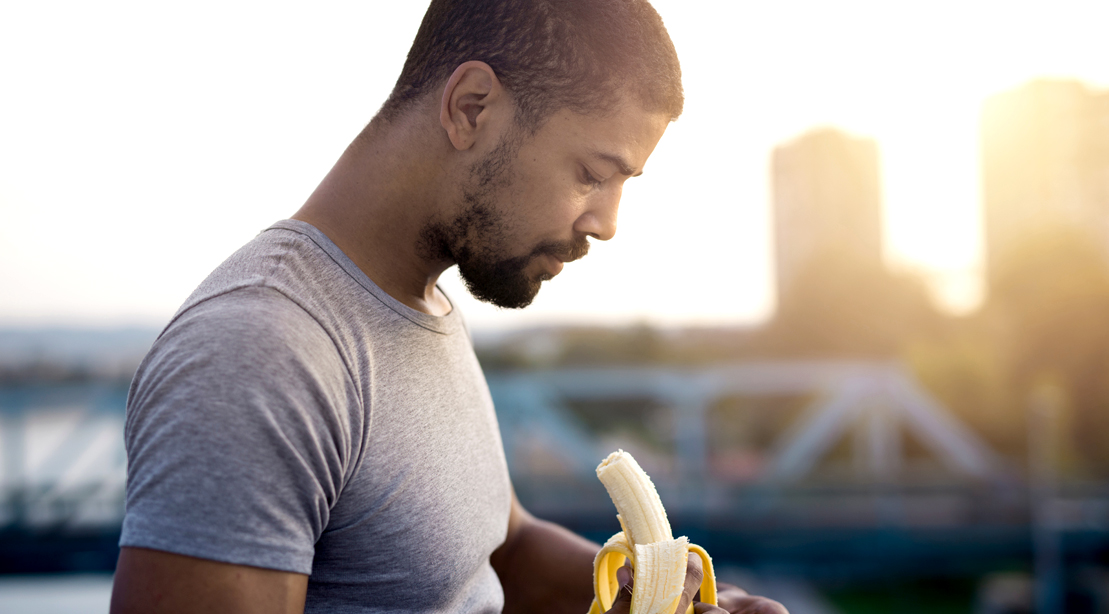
column 549, row 55
column 549, row 106
column 526, row 204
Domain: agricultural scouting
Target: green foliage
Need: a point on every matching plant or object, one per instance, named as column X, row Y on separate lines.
column 753, row 422
column 640, row 418
column 631, row 345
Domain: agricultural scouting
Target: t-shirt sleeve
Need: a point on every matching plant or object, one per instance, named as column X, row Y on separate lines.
column 239, row 434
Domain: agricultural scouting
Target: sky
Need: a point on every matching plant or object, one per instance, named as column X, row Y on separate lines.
column 142, row 143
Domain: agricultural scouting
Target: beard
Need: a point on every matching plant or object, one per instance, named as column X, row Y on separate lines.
column 493, row 277
column 477, row 238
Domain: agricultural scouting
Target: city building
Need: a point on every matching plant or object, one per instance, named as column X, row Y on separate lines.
column 1045, row 165
column 827, row 201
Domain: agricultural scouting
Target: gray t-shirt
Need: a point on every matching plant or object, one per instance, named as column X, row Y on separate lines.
column 294, row 416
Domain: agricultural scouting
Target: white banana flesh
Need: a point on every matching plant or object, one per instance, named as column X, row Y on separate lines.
column 658, row 559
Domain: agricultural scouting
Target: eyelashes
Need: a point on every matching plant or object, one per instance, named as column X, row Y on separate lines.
column 588, row 178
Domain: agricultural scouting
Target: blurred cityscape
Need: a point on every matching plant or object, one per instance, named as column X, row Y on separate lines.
column 863, row 451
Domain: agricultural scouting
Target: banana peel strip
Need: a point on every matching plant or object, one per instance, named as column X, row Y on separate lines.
column 610, row 558
column 708, row 583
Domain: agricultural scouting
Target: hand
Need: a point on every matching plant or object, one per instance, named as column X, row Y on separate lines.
column 693, row 576
column 735, row 600
column 731, row 599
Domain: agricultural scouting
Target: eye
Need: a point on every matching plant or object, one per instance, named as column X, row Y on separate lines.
column 588, row 179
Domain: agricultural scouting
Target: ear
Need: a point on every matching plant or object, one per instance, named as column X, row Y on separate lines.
column 472, row 95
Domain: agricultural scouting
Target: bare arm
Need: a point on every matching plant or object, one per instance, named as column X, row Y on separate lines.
column 544, row 567
column 155, row 582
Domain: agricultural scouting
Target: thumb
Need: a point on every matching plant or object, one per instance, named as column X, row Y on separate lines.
column 623, row 602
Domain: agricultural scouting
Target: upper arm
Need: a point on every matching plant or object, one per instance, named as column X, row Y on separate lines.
column 238, row 438
column 156, row 582
column 543, row 566
column 518, row 519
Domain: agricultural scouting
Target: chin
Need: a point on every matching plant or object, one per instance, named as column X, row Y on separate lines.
column 506, row 293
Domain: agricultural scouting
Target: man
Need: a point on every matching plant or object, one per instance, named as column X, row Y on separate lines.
column 312, row 432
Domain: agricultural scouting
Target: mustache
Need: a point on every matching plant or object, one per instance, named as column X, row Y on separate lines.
column 566, row 251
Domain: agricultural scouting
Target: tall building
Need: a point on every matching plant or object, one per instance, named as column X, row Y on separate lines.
column 827, row 201
column 1045, row 163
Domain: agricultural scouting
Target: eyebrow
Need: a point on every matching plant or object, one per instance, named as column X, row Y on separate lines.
column 621, row 164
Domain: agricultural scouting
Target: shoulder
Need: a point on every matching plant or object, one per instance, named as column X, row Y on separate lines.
column 250, row 347
column 246, row 324
column 246, row 366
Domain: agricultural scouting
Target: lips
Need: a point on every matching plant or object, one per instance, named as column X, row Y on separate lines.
column 554, row 263
column 571, row 252
column 555, row 255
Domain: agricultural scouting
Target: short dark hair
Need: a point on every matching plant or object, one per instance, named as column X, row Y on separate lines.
column 549, row 55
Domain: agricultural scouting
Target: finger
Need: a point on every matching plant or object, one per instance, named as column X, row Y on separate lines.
column 729, row 596
column 731, row 589
column 693, row 576
column 623, row 601
column 756, row 605
column 704, row 608
column 626, row 577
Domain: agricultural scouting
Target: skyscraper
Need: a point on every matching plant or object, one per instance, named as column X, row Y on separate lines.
column 1045, row 164
column 827, row 203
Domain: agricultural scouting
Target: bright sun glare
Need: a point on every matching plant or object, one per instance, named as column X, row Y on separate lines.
column 142, row 143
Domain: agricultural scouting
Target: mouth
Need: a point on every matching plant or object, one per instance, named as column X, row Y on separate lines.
column 554, row 264
column 555, row 256
column 571, row 252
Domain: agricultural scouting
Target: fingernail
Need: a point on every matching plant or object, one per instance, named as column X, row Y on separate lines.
column 623, row 576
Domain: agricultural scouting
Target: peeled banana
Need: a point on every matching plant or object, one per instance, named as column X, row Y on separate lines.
column 658, row 559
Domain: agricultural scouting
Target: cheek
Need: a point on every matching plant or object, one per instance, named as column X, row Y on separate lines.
column 550, row 204
column 547, row 198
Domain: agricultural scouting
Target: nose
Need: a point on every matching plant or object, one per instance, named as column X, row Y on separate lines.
column 599, row 220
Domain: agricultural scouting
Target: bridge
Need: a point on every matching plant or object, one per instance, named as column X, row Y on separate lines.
column 873, row 401
column 982, row 514
column 62, row 472
column 63, row 463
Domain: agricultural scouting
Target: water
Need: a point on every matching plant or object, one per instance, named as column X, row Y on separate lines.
column 60, row 594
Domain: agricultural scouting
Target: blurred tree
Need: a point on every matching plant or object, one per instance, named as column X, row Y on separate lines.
column 966, row 372
column 1050, row 304
column 742, row 431
column 637, row 344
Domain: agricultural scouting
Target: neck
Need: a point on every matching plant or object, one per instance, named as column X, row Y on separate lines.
column 375, row 202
